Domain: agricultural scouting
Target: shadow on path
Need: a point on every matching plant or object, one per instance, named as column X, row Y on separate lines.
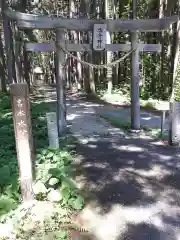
column 135, row 179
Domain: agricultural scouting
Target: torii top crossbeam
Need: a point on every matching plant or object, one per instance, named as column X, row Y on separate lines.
column 25, row 20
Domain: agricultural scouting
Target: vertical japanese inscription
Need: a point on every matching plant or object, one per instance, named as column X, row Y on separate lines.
column 99, row 37
column 22, row 128
column 21, row 121
column 99, row 40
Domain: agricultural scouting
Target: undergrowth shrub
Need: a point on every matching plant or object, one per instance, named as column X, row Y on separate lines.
column 53, row 167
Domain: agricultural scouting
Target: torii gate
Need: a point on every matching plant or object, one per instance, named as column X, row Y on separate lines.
column 99, row 27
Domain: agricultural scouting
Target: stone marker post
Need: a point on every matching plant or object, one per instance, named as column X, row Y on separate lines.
column 174, row 124
column 52, row 129
column 23, row 135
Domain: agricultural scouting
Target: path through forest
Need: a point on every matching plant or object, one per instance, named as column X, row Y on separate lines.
column 135, row 180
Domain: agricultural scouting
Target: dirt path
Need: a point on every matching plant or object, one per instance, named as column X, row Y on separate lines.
column 135, row 179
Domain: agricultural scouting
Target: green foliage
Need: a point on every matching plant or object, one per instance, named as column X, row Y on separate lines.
column 154, row 133
column 61, row 235
column 52, row 173
column 5, row 99
column 52, row 166
column 149, row 103
column 151, row 86
column 116, row 121
column 71, row 196
column 9, row 187
column 7, row 204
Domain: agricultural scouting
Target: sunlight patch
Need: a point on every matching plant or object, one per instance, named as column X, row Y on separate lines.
column 130, row 148
column 72, row 116
column 92, row 146
column 155, row 171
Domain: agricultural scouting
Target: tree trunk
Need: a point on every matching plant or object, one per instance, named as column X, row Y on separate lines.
column 162, row 41
column 175, row 58
column 8, row 44
column 73, row 35
column 2, row 66
column 89, row 83
column 26, row 67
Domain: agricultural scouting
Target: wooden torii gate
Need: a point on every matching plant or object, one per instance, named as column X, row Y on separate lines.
column 99, row 27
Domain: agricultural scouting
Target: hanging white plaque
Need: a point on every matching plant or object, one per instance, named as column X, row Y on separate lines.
column 99, row 37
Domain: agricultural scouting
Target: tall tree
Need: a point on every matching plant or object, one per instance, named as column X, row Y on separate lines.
column 89, row 83
column 2, row 65
column 162, row 41
column 8, row 44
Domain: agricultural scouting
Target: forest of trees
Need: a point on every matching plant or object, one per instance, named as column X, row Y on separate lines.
column 157, row 70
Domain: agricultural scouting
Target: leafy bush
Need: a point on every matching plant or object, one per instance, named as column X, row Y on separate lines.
column 53, row 167
column 52, row 179
column 5, row 102
column 9, row 187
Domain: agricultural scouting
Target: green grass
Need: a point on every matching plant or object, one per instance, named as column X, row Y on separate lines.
column 125, row 125
column 53, row 167
column 122, row 96
column 117, row 122
column 156, row 134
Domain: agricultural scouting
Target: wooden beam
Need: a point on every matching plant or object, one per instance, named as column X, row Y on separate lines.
column 16, row 15
column 60, row 82
column 135, row 62
column 45, row 22
column 71, row 47
column 40, row 47
column 150, row 47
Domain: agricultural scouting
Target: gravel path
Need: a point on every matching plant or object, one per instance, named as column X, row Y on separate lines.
column 135, row 179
